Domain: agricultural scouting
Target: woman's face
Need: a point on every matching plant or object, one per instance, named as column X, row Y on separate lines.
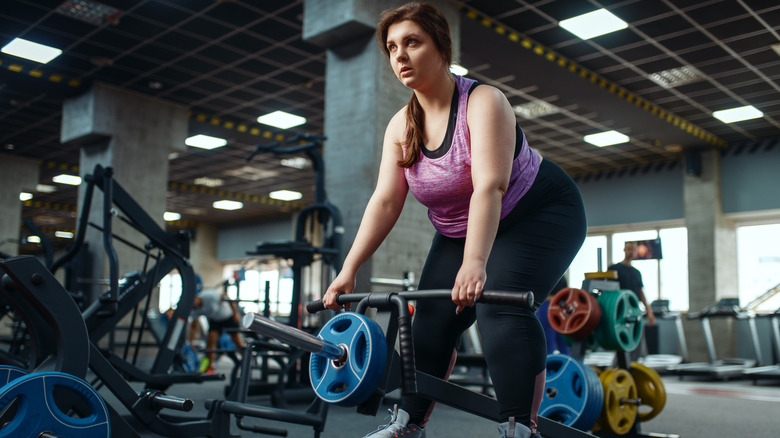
column 413, row 55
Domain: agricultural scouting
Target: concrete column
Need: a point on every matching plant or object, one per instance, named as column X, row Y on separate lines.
column 361, row 96
column 19, row 175
column 712, row 249
column 203, row 253
column 133, row 134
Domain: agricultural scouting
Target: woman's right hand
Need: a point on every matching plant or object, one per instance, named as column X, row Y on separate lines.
column 343, row 284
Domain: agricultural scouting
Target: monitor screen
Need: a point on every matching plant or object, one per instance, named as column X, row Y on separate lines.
column 648, row 249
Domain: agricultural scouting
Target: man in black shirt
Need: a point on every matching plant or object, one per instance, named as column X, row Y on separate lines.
column 630, row 278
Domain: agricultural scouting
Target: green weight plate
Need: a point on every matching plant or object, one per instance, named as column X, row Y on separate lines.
column 620, row 327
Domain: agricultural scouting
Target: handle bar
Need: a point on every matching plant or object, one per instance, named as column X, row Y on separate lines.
column 521, row 299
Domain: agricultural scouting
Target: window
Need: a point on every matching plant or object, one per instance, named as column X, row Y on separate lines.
column 587, row 260
column 758, row 264
column 674, row 267
column 665, row 279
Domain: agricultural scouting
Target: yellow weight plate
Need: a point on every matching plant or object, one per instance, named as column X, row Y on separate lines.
column 650, row 389
column 620, row 401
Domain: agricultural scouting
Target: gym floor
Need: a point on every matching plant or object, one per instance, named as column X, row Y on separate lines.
column 694, row 408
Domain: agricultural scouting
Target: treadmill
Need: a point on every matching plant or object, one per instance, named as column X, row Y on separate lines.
column 721, row 368
column 666, row 341
column 769, row 371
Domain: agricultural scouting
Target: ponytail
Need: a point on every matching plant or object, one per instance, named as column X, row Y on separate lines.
column 414, row 132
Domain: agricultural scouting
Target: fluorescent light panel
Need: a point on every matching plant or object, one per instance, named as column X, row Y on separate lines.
column 63, row 234
column 24, row 196
column 675, row 77
column 593, row 24
column 227, row 204
column 170, row 216
column 534, row 109
column 285, row 195
column 607, row 138
column 33, row 239
column 281, row 120
column 205, row 142
column 296, row 162
column 64, row 178
column 738, row 114
column 30, row 50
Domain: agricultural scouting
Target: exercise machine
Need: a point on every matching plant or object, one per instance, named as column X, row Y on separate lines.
column 375, row 379
column 721, row 368
column 666, row 341
column 62, row 342
column 769, row 371
column 320, row 221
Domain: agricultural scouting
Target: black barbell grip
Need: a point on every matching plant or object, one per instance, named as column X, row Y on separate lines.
column 522, row 299
column 315, row 306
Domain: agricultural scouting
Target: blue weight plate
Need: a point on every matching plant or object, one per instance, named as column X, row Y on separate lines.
column 351, row 382
column 38, row 411
column 572, row 393
column 9, row 373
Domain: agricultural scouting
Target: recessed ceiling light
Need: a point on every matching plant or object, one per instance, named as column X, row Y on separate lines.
column 45, row 188
column 738, row 114
column 296, row 162
column 607, row 138
column 170, row 216
column 534, row 109
column 205, row 142
column 458, row 70
column 208, row 182
column 64, row 234
column 226, row 204
column 593, row 24
column 33, row 239
column 89, row 11
column 281, row 120
column 64, row 178
column 675, row 77
column 285, row 195
column 30, row 50
column 24, row 196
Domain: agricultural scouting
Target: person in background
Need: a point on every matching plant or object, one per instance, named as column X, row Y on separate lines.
column 630, row 278
column 505, row 219
column 222, row 316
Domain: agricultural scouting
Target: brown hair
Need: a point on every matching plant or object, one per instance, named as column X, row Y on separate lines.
column 433, row 22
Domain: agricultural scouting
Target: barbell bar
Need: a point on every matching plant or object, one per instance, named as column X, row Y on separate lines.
column 513, row 298
column 292, row 336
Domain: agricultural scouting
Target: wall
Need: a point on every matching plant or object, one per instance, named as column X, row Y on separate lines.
column 749, row 182
column 749, row 177
column 234, row 242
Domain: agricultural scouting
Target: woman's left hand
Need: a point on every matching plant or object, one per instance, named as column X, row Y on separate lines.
column 468, row 285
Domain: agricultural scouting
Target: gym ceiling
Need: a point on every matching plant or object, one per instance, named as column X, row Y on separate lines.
column 230, row 61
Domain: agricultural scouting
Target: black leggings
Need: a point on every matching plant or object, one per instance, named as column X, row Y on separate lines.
column 534, row 246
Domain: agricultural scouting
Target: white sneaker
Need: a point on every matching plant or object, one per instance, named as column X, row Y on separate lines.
column 511, row 429
column 398, row 426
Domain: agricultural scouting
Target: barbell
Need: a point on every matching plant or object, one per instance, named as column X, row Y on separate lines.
column 349, row 354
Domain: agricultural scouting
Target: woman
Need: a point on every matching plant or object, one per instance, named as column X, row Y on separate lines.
column 505, row 220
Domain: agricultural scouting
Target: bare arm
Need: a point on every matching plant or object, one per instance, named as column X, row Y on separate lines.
column 381, row 213
column 492, row 128
column 650, row 313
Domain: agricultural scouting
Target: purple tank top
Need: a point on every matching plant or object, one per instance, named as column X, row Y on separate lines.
column 443, row 184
